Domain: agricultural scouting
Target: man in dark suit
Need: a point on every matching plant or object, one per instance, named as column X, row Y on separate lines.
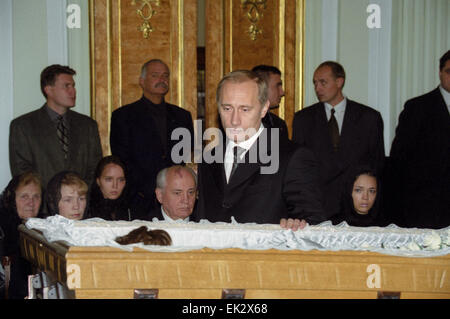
column 272, row 75
column 141, row 134
column 340, row 132
column 420, row 155
column 176, row 191
column 254, row 177
column 54, row 138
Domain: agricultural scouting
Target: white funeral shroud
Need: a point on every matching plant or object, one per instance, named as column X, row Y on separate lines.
column 392, row 240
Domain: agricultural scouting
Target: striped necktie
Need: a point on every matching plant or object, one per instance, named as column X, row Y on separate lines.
column 62, row 133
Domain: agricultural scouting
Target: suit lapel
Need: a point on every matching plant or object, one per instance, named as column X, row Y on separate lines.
column 348, row 132
column 48, row 137
column 442, row 109
column 323, row 132
column 74, row 134
column 247, row 169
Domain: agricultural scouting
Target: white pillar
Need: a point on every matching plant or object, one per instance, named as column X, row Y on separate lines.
column 6, row 88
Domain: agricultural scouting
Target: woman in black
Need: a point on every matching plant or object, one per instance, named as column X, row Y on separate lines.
column 108, row 197
column 20, row 200
column 360, row 200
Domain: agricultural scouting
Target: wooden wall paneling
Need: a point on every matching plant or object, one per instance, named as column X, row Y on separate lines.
column 214, row 57
column 289, row 68
column 99, row 33
column 229, row 47
column 189, row 61
column 246, row 53
column 119, row 49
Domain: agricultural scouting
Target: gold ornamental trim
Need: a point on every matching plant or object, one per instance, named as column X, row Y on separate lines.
column 300, row 55
column 254, row 14
column 281, row 53
column 181, row 53
column 146, row 5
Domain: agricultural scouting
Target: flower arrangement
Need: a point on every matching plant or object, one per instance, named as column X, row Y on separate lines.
column 431, row 242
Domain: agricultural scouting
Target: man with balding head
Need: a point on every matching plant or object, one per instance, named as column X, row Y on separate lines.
column 176, row 191
column 340, row 132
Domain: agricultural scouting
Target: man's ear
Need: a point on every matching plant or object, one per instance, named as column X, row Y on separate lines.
column 265, row 109
column 159, row 195
column 47, row 89
column 340, row 82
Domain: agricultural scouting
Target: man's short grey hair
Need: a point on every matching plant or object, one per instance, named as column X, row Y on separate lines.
column 241, row 76
column 144, row 66
column 161, row 178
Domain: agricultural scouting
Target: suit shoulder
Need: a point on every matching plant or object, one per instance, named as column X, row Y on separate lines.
column 364, row 108
column 82, row 118
column 127, row 107
column 422, row 99
column 278, row 119
column 308, row 111
column 360, row 106
column 179, row 110
column 25, row 118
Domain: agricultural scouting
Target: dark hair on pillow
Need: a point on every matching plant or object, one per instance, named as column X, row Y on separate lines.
column 148, row 237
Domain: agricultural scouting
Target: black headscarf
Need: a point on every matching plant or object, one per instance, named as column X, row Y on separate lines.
column 108, row 209
column 9, row 217
column 53, row 193
column 347, row 209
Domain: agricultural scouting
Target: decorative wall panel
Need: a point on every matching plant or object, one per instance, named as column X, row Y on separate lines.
column 241, row 34
column 127, row 33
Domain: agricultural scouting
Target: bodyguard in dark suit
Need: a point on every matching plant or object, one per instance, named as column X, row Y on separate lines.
column 267, row 180
column 420, row 154
column 141, row 133
column 54, row 138
column 340, row 132
column 272, row 75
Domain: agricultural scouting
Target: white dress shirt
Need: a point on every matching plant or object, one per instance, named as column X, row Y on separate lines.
column 170, row 220
column 339, row 111
column 229, row 156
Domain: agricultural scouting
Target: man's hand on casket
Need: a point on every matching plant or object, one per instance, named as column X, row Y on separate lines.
column 293, row 224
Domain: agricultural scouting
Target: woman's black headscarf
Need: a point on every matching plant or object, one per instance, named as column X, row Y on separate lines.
column 347, row 209
column 108, row 209
column 53, row 193
column 9, row 217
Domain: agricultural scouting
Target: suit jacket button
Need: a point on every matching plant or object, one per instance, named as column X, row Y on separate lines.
column 163, row 157
column 226, row 205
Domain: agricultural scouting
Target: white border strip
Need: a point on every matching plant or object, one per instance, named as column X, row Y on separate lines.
column 6, row 86
column 57, row 32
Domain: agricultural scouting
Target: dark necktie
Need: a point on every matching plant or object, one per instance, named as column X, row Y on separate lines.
column 334, row 131
column 62, row 132
column 237, row 152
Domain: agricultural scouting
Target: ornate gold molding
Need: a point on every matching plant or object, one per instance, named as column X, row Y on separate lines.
column 254, row 15
column 282, row 52
column 146, row 28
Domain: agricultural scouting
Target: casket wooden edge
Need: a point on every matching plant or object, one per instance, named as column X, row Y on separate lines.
column 107, row 272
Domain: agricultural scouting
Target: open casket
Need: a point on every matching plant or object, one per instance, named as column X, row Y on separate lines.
column 111, row 272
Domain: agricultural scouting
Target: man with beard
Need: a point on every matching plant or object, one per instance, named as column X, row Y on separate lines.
column 141, row 134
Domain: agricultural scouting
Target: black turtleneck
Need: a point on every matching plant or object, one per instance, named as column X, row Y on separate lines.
column 159, row 113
